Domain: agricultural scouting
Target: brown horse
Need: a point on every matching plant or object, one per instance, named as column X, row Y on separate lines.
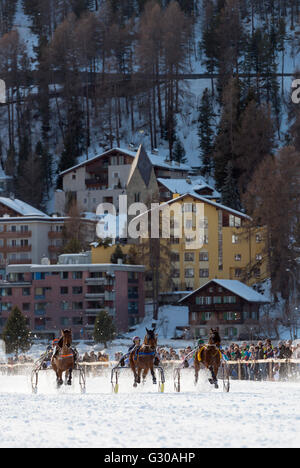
column 210, row 356
column 142, row 358
column 63, row 360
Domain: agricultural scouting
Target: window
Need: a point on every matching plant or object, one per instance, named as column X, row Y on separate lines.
column 39, row 293
column 64, row 274
column 5, row 306
column 205, row 316
column 204, row 273
column 229, row 299
column 77, row 275
column 203, row 300
column 6, row 292
column 189, row 273
column 77, row 321
column 77, row 305
column 189, row 257
column 64, row 305
column 137, row 197
column 26, row 306
column 176, row 273
column 64, row 321
column 77, row 290
column 238, row 272
column 235, row 239
column 40, row 308
column 258, row 238
column 234, row 221
column 194, row 316
column 64, row 290
column 175, row 257
column 133, row 293
column 26, row 291
column 238, row 257
column 258, row 257
column 217, row 299
column 133, row 308
column 203, row 257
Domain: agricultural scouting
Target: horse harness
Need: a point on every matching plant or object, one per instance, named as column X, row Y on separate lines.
column 137, row 353
column 199, row 353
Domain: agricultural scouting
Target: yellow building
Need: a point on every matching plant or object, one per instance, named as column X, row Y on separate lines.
column 226, row 247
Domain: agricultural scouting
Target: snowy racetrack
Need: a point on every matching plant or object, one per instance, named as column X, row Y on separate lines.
column 253, row 414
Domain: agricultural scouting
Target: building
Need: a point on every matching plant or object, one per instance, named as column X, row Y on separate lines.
column 71, row 294
column 103, row 178
column 228, row 248
column 229, row 304
column 27, row 234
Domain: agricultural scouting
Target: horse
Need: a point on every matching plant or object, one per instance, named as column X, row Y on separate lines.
column 210, row 356
column 143, row 357
column 63, row 360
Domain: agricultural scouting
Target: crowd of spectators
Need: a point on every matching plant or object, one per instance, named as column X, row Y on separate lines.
column 93, row 357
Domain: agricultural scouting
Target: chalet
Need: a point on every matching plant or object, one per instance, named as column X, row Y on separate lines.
column 229, row 304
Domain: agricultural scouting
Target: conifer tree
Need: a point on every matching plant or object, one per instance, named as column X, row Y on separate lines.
column 16, row 333
column 104, row 330
column 206, row 133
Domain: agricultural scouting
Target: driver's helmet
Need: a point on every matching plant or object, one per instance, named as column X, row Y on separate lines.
column 136, row 338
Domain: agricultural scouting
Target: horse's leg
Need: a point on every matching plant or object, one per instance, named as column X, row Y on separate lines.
column 153, row 375
column 138, row 379
column 59, row 378
column 69, row 381
column 145, row 372
column 196, row 372
column 213, row 380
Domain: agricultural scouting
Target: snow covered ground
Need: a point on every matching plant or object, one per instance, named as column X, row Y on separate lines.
column 253, row 414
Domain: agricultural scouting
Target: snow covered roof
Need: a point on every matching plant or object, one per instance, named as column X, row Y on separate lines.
column 186, row 185
column 156, row 160
column 21, row 207
column 236, row 287
column 200, row 198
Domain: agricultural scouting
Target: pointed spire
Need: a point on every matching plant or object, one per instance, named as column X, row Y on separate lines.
column 143, row 164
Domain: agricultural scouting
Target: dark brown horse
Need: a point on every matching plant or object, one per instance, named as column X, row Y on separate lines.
column 142, row 358
column 210, row 356
column 63, row 360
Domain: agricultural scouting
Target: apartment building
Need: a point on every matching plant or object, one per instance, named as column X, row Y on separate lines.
column 27, row 234
column 71, row 294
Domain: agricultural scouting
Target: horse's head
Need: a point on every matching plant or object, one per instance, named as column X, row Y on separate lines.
column 67, row 337
column 151, row 338
column 214, row 337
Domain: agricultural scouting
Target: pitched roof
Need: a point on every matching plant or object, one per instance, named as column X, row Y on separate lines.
column 236, row 287
column 156, row 161
column 21, row 207
column 200, row 198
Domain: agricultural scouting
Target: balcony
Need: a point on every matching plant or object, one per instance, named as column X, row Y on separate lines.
column 96, row 281
column 16, row 248
column 95, row 182
column 95, row 295
column 15, row 234
column 19, row 261
column 93, row 311
column 55, row 234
